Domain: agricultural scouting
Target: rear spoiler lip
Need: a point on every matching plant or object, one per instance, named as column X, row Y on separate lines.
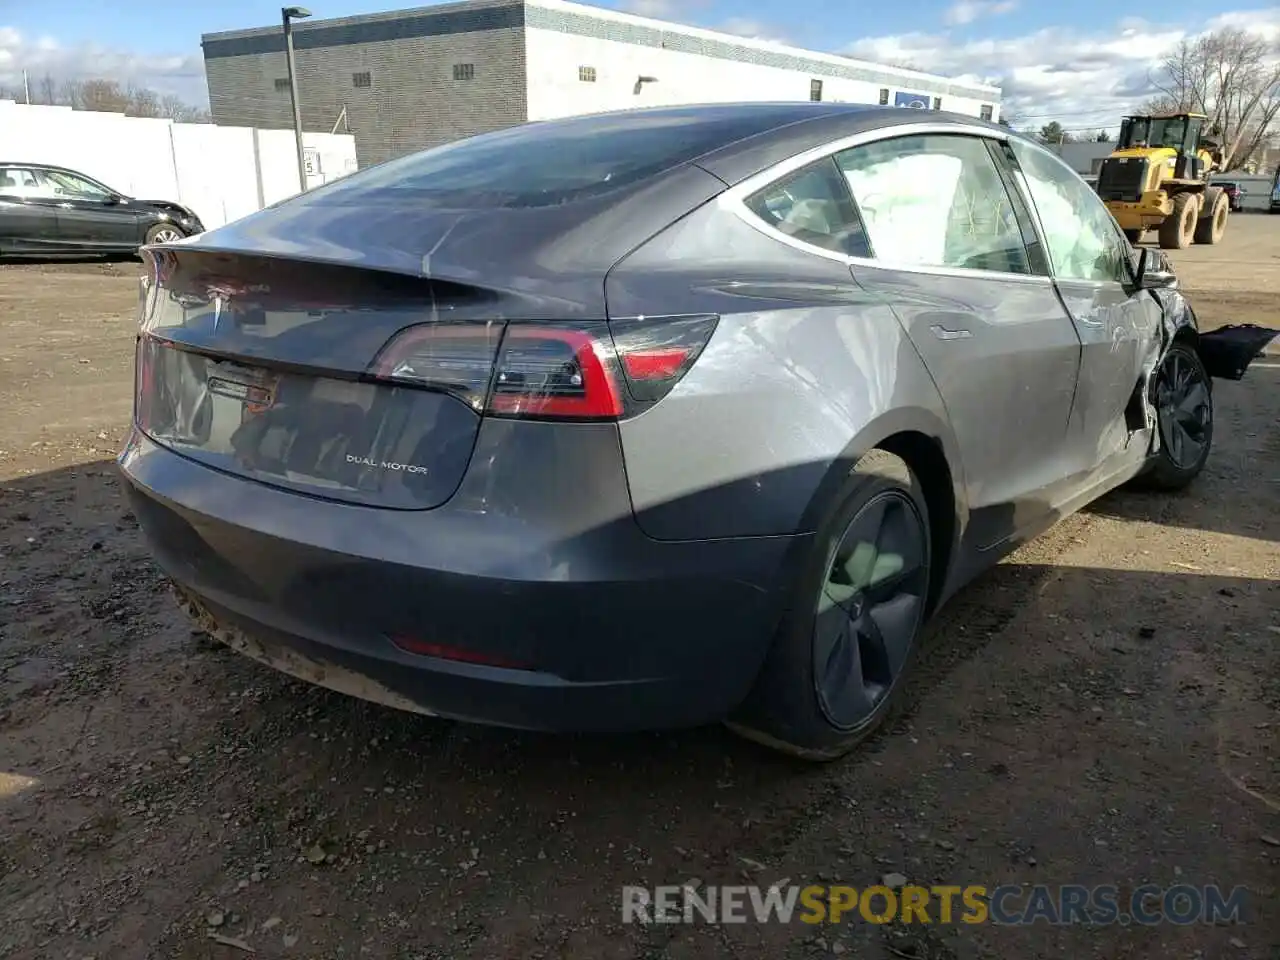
column 392, row 260
column 513, row 294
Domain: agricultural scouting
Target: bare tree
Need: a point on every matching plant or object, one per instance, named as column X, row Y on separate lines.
column 142, row 102
column 48, row 90
column 1233, row 78
column 71, row 94
column 175, row 108
column 103, row 95
column 110, row 96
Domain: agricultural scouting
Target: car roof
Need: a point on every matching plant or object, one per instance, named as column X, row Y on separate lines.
column 797, row 127
column 750, row 137
column 39, row 166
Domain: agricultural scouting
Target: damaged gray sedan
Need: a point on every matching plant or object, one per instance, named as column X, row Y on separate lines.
column 653, row 418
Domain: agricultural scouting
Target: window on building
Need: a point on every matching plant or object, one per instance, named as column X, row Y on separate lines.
column 464, row 71
column 985, row 113
column 587, row 74
column 935, row 201
column 361, row 79
column 282, row 83
column 884, row 96
column 937, row 103
column 815, row 89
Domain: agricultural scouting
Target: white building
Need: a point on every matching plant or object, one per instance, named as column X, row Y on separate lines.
column 409, row 79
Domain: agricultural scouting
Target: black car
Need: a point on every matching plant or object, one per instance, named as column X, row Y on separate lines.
column 49, row 211
column 1235, row 195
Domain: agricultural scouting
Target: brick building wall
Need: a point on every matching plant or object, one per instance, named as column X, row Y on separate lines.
column 413, row 79
column 407, row 81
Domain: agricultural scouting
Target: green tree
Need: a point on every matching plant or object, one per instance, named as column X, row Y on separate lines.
column 1052, row 132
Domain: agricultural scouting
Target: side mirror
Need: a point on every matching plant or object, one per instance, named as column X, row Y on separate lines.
column 113, row 199
column 1154, row 271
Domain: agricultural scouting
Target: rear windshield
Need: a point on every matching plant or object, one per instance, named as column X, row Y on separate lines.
column 552, row 162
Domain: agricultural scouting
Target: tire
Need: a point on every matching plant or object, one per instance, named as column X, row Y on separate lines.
column 816, row 701
column 1211, row 226
column 159, row 233
column 1173, row 467
column 1134, row 236
column 1176, row 230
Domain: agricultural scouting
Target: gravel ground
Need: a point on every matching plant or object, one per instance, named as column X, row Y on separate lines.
column 1101, row 708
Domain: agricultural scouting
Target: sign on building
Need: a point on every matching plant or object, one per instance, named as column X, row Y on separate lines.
column 915, row 101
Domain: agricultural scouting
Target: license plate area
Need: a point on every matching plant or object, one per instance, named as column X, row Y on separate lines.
column 359, row 442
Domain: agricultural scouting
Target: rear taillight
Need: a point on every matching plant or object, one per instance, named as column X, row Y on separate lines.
column 556, row 373
column 454, row 358
column 576, row 371
column 657, row 352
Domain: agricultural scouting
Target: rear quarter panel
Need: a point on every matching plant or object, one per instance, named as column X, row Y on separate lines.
column 804, row 372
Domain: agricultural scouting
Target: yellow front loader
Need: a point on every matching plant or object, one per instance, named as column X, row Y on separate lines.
column 1158, row 178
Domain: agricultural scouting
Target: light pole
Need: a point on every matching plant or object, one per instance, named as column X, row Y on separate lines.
column 287, row 16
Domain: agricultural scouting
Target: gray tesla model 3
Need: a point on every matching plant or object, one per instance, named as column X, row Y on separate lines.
column 649, row 419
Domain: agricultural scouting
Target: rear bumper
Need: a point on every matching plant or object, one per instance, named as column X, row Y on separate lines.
column 612, row 630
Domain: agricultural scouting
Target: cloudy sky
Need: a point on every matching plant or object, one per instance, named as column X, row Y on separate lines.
column 1077, row 63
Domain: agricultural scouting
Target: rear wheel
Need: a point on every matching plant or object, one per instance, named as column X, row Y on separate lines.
column 1176, row 230
column 1135, row 236
column 1213, row 222
column 842, row 650
column 1183, row 397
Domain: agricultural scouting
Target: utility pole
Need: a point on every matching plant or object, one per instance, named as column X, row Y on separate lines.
column 26, row 87
column 287, row 16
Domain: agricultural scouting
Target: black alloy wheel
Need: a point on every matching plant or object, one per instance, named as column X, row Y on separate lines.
column 869, row 609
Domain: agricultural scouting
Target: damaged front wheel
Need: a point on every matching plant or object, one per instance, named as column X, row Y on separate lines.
column 1182, row 394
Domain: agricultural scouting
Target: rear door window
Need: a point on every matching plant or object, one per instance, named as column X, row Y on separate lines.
column 936, row 200
column 813, row 206
column 22, row 182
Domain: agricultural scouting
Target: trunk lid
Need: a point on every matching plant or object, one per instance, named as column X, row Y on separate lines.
column 260, row 367
column 261, row 340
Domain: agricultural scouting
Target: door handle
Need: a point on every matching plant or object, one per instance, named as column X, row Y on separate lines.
column 942, row 333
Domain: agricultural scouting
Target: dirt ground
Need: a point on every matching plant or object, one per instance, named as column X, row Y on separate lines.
column 1101, row 708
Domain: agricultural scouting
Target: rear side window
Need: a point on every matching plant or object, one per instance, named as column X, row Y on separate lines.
column 813, row 205
column 21, row 182
column 936, row 201
column 548, row 163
